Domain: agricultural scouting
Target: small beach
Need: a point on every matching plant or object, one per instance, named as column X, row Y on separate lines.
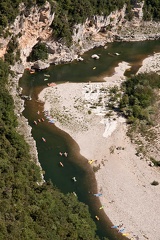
column 123, row 178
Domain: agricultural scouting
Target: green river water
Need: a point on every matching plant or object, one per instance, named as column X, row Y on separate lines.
column 58, row 140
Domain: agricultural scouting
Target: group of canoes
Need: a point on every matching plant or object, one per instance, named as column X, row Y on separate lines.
column 38, row 120
column 61, row 154
column 46, row 75
column 75, row 180
column 48, row 117
column 61, row 164
column 100, row 208
column 31, row 70
column 52, row 84
column 120, row 229
column 65, row 154
column 96, row 217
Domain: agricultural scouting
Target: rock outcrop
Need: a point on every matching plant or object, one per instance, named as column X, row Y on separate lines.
column 29, row 27
column 39, row 65
column 33, row 25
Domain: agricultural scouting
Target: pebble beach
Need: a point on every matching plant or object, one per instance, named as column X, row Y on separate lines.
column 123, row 178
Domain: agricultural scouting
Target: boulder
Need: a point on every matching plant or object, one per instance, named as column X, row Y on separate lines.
column 95, row 56
column 40, row 65
column 80, row 59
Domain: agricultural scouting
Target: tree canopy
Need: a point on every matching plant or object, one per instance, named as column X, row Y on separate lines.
column 151, row 10
column 139, row 97
column 39, row 52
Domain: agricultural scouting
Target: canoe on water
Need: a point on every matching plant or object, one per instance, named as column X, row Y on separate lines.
column 51, row 84
column 61, row 164
column 97, row 194
column 114, row 226
column 97, row 218
column 91, row 161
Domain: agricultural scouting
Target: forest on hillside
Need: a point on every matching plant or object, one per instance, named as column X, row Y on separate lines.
column 28, row 209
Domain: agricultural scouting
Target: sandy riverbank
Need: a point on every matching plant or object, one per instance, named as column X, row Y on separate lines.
column 123, row 179
column 151, row 64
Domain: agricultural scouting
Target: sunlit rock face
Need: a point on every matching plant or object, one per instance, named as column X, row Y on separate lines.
column 33, row 25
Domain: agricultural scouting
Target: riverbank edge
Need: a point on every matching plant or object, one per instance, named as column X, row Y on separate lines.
column 15, row 91
column 23, row 128
column 118, row 162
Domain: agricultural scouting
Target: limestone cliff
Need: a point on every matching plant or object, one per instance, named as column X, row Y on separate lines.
column 33, row 25
column 30, row 26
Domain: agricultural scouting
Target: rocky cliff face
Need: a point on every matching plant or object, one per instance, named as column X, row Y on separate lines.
column 29, row 27
column 33, row 25
column 94, row 32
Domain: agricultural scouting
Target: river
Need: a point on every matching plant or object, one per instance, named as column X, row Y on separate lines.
column 58, row 140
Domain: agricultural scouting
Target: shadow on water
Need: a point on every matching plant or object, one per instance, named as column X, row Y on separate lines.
column 57, row 140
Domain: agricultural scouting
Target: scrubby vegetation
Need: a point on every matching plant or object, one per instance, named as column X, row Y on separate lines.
column 139, row 97
column 29, row 210
column 9, row 10
column 139, row 104
column 13, row 53
column 138, row 101
column 69, row 12
column 39, row 52
column 151, row 10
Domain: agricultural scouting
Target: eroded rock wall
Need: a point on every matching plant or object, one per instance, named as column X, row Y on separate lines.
column 29, row 27
column 33, row 25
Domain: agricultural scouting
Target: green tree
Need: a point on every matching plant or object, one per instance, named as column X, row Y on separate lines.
column 39, row 52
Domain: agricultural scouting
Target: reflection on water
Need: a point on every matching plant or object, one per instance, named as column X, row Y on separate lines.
column 57, row 140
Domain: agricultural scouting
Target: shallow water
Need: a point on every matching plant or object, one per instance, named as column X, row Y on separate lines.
column 58, row 140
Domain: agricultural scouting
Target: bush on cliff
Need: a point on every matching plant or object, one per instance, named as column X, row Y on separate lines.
column 39, row 52
column 12, row 54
